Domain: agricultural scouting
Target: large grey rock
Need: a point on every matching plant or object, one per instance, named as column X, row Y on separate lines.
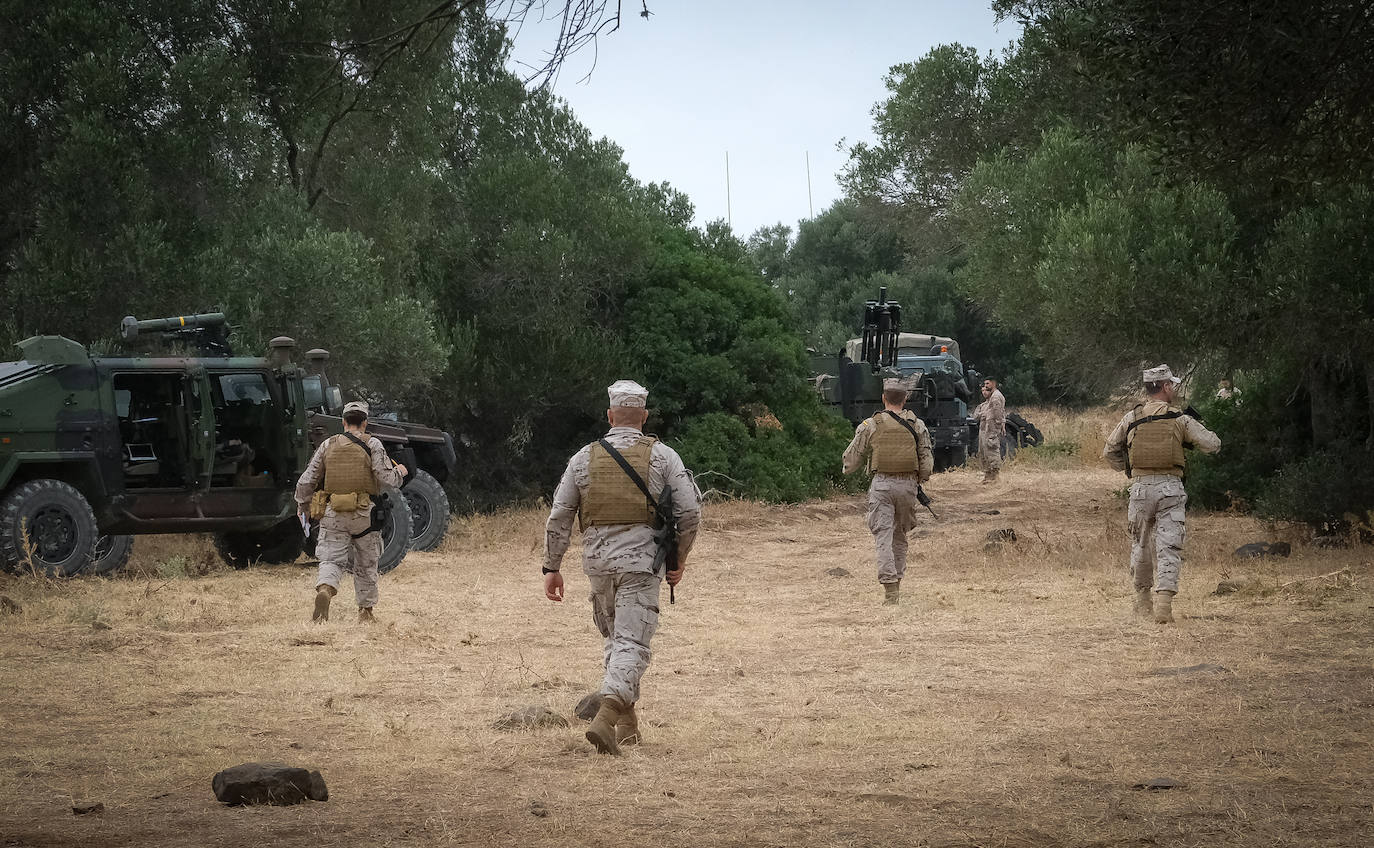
column 529, row 718
column 587, row 707
column 268, row 783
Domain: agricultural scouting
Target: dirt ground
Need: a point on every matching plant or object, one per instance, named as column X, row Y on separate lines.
column 1011, row 700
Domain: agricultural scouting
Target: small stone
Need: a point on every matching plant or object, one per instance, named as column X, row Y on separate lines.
column 739, row 672
column 1157, row 783
column 538, row 809
column 268, row 783
column 587, row 707
column 100, row 625
column 295, row 745
column 1004, row 535
column 529, row 718
column 86, row 809
column 1260, row 549
column 992, row 512
column 9, row 606
column 1229, row 587
column 838, row 572
column 919, row 766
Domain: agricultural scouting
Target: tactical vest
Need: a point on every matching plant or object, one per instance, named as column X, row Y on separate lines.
column 894, row 451
column 347, row 468
column 611, row 496
column 1154, row 441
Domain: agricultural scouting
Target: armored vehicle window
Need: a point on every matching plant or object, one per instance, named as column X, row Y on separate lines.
column 245, row 388
column 314, row 392
column 247, row 431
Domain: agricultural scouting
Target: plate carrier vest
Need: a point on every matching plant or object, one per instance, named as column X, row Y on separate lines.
column 611, row 496
column 894, row 451
column 1154, row 441
column 347, row 468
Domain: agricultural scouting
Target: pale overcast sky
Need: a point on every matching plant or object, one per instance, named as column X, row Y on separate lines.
column 766, row 80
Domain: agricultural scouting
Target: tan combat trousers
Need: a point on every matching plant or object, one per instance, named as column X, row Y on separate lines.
column 989, row 451
column 892, row 509
column 336, row 540
column 1155, row 517
column 625, row 609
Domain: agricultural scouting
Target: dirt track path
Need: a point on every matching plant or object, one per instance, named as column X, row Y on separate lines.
column 1011, row 700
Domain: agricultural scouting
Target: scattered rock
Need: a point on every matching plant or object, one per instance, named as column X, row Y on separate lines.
column 1201, row 668
column 1331, row 542
column 295, row 745
column 992, row 547
column 9, row 606
column 100, row 625
column 1006, row 535
column 992, row 512
column 300, row 643
column 919, row 766
column 1156, row 783
column 538, row 809
column 838, row 572
column 268, row 783
column 528, row 718
column 738, row 672
column 86, row 809
column 555, row 683
column 1228, row 587
column 587, row 707
column 1260, row 549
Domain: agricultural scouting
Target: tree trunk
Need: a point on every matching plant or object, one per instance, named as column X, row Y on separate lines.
column 1329, row 404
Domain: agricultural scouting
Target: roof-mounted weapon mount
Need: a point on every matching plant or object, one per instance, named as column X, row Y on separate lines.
column 882, row 326
column 205, row 332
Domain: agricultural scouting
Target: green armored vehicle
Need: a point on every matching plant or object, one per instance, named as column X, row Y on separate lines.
column 943, row 389
column 95, row 449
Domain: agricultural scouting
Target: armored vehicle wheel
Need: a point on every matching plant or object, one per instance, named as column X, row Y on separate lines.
column 48, row 526
column 280, row 544
column 1027, row 436
column 1008, row 446
column 111, row 553
column 396, row 535
column 429, row 511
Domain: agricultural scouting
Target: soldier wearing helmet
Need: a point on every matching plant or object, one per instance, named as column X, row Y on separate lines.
column 1149, row 446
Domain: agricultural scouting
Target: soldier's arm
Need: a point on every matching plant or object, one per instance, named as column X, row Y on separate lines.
column 686, row 503
column 1199, row 436
column 566, row 499
column 311, row 478
column 998, row 411
column 925, row 452
column 1114, row 451
column 382, row 466
column 855, row 454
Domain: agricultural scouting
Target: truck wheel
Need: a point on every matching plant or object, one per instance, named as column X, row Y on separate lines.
column 48, row 526
column 277, row 545
column 395, row 535
column 1027, row 436
column 951, row 457
column 111, row 553
column 1008, row 446
column 428, row 509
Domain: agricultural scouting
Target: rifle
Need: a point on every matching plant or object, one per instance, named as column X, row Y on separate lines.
column 924, row 500
column 665, row 533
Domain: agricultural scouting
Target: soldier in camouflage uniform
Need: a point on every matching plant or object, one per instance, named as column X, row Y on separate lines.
column 1148, row 445
column 991, row 415
column 618, row 550
column 895, row 446
column 343, row 470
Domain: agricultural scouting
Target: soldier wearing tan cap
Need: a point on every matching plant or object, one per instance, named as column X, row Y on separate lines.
column 1149, row 446
column 618, row 548
column 337, row 488
column 991, row 416
column 895, row 446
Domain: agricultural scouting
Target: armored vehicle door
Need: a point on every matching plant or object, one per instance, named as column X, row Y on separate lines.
column 253, row 453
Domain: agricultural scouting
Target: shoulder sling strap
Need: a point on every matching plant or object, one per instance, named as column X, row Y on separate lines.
column 359, row 442
column 629, row 470
column 905, row 423
column 1163, row 416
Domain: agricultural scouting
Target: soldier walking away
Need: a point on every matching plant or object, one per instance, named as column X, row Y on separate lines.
column 337, row 488
column 991, row 416
column 617, row 517
column 1149, row 446
column 895, row 446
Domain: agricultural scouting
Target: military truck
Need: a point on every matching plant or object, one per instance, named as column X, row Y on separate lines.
column 942, row 387
column 95, row 449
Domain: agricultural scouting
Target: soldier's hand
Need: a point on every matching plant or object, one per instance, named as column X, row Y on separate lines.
column 675, row 577
column 553, row 585
column 401, row 469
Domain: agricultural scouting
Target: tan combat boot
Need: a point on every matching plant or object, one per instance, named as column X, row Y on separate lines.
column 627, row 727
column 892, row 593
column 324, row 593
column 1143, row 605
column 602, row 731
column 1164, row 607
column 365, row 616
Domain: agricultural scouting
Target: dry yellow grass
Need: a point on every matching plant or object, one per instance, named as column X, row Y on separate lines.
column 1009, row 701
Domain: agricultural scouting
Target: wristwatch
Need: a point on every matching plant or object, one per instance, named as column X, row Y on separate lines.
column 543, row 570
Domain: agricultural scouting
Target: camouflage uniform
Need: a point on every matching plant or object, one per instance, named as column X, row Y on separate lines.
column 892, row 503
column 991, row 415
column 1156, row 512
column 619, row 559
column 337, row 529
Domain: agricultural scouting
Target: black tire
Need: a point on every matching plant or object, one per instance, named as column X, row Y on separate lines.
column 950, row 457
column 1027, row 436
column 111, row 553
column 47, row 525
column 429, row 511
column 1008, row 446
column 277, row 545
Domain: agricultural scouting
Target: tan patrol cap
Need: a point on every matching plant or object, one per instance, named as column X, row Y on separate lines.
column 628, row 393
column 896, row 384
column 1159, row 374
column 355, row 406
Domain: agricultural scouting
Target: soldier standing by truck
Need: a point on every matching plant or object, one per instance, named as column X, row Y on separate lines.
column 895, row 446
column 991, row 415
column 617, row 511
column 1148, row 445
column 338, row 485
